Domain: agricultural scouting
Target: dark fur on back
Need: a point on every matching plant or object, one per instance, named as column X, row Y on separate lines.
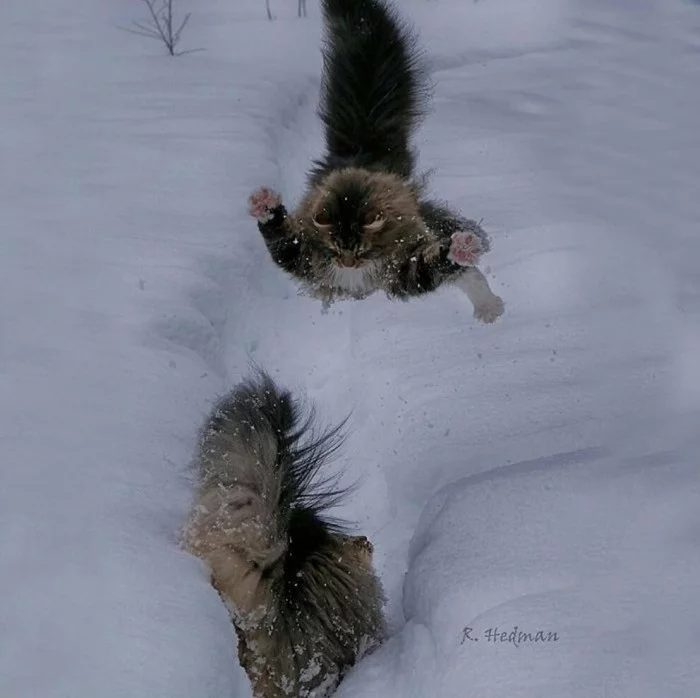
column 302, row 593
column 374, row 88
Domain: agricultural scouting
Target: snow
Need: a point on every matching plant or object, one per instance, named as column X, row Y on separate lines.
column 540, row 472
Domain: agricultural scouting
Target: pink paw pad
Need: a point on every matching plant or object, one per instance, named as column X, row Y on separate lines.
column 262, row 202
column 465, row 249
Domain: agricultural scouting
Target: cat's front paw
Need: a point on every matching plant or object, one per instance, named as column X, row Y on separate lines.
column 490, row 310
column 262, row 203
column 465, row 249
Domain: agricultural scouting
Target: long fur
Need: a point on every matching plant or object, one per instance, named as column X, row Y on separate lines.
column 375, row 88
column 301, row 591
column 363, row 225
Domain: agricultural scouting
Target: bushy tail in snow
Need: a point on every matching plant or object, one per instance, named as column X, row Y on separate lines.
column 374, row 89
column 302, row 592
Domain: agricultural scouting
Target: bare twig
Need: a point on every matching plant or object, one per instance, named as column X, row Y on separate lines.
column 269, row 11
column 301, row 8
column 142, row 32
column 160, row 25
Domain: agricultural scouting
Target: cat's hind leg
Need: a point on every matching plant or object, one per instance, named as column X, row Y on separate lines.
column 464, row 242
column 465, row 250
column 432, row 265
column 488, row 307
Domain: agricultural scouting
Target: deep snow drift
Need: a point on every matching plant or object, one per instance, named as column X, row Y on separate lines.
column 538, row 473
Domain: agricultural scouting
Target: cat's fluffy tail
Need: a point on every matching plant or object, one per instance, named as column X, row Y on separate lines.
column 374, row 87
column 257, row 440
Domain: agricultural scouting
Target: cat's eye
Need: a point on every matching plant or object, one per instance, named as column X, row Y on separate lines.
column 322, row 222
column 376, row 225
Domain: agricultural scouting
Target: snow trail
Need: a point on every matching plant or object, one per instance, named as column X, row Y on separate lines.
column 116, row 263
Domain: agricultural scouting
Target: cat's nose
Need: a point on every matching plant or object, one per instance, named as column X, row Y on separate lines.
column 348, row 259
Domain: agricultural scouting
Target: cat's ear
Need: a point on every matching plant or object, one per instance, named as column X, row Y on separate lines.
column 376, row 225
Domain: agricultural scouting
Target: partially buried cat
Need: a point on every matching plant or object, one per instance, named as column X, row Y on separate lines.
column 302, row 592
column 363, row 224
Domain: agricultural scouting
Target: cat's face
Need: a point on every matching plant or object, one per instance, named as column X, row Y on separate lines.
column 347, row 223
column 356, row 217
